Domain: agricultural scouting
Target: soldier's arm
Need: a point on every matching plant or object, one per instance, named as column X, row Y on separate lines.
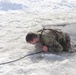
column 52, row 44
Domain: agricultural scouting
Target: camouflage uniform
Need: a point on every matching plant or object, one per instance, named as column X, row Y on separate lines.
column 56, row 41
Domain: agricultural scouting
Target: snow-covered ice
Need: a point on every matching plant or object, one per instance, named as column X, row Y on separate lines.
column 15, row 24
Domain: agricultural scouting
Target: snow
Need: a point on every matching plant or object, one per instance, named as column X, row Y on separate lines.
column 15, row 24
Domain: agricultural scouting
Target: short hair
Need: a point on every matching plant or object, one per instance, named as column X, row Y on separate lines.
column 30, row 37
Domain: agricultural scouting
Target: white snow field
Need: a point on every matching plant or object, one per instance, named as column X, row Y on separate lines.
column 36, row 14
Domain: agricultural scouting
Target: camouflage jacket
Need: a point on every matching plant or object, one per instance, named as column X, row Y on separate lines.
column 51, row 38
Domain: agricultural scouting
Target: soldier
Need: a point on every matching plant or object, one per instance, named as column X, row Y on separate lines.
column 51, row 40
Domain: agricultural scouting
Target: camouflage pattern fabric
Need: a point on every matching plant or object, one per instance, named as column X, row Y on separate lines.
column 56, row 41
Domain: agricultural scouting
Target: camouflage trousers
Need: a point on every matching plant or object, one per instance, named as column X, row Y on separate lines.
column 66, row 44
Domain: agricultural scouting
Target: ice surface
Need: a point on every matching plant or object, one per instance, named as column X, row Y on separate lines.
column 14, row 25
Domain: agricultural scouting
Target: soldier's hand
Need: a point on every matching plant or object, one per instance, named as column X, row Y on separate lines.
column 45, row 48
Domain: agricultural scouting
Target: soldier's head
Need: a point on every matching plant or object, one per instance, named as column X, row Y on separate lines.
column 32, row 38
